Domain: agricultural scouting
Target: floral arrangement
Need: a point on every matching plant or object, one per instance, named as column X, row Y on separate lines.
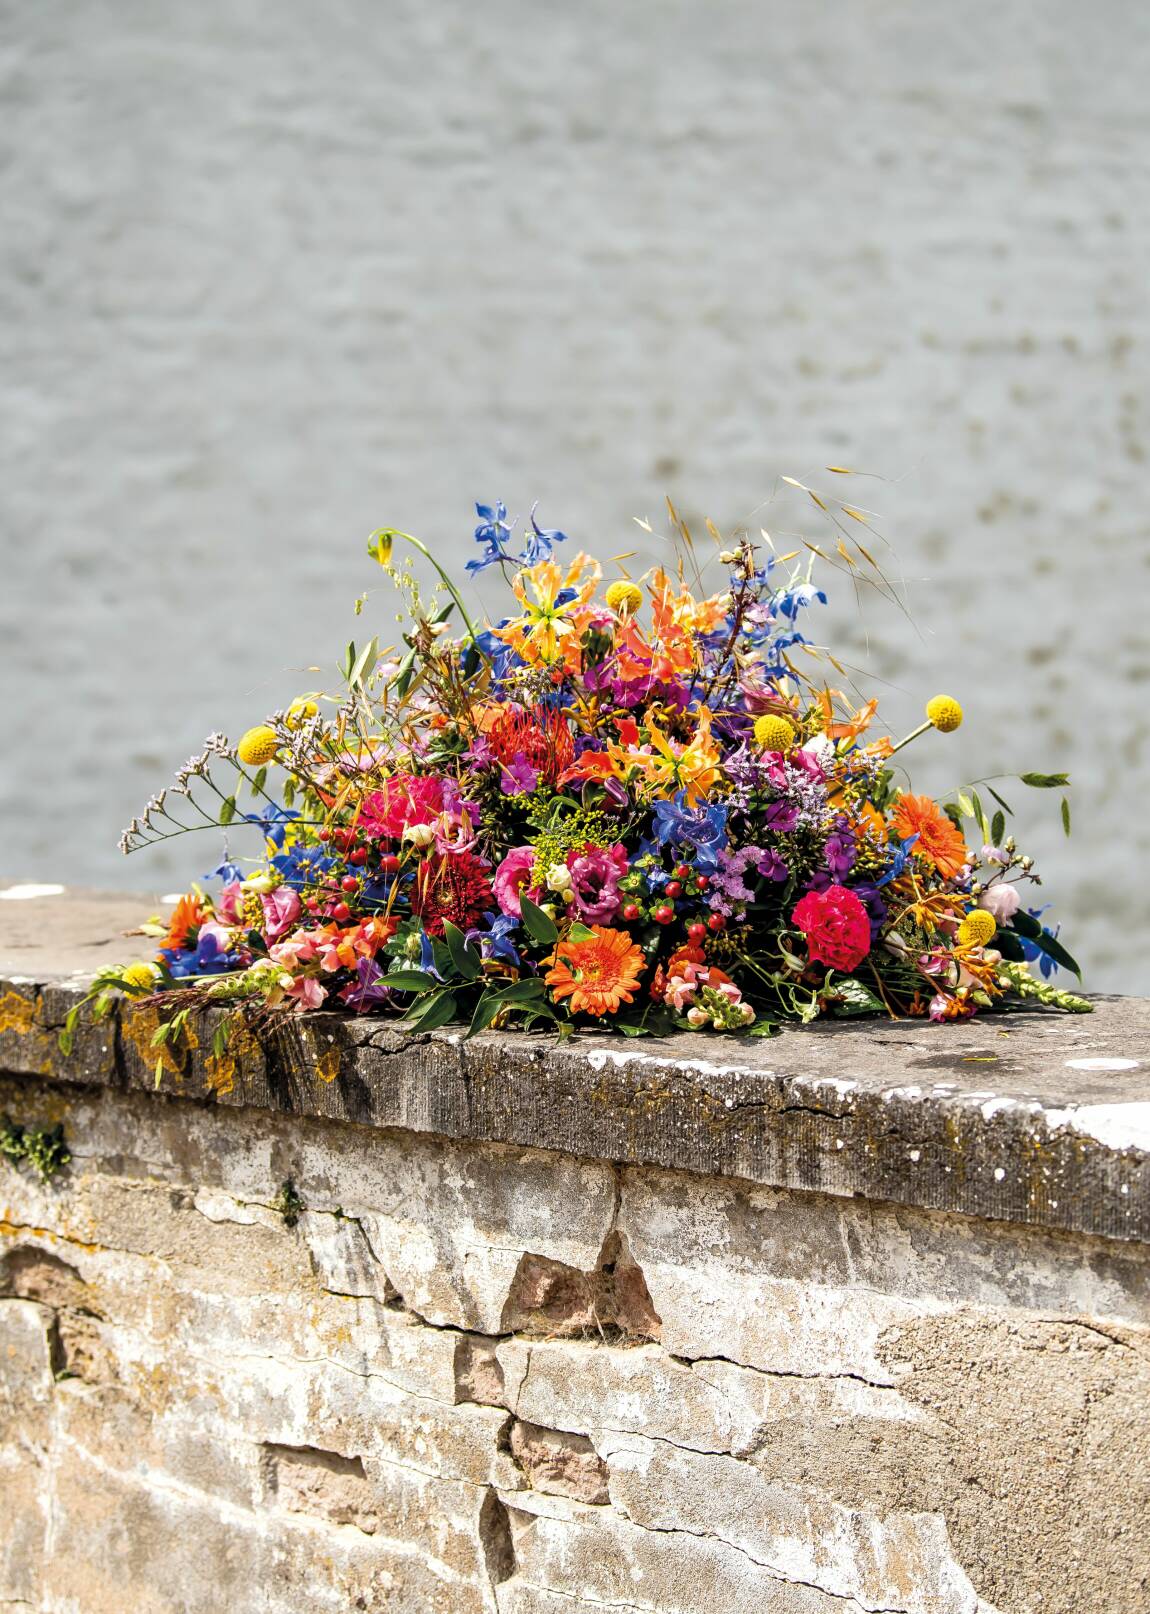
column 621, row 806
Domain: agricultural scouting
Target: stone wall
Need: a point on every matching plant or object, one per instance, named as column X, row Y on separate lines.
column 474, row 1376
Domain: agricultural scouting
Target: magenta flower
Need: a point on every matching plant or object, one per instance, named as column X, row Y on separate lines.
column 595, row 876
column 513, row 877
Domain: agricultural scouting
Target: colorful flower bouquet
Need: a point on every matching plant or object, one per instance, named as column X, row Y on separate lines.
column 620, row 807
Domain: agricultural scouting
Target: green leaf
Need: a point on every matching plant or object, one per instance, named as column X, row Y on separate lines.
column 979, row 815
column 466, row 960
column 1066, row 815
column 1005, row 805
column 288, row 792
column 1053, row 948
column 405, row 675
column 1026, row 925
column 368, row 655
column 852, row 997
column 411, row 980
column 997, row 827
column 436, row 1012
column 228, row 810
column 1045, row 781
column 580, row 932
column 259, row 780
column 1009, row 946
column 521, row 991
column 348, row 660
column 485, row 1011
column 536, row 923
column 965, row 805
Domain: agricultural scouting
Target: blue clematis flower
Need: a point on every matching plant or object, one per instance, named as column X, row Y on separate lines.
column 493, row 531
column 1033, row 953
column 494, row 942
column 274, row 821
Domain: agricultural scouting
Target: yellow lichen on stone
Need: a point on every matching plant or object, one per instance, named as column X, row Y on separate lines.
column 327, row 1064
column 140, row 1025
column 19, row 1014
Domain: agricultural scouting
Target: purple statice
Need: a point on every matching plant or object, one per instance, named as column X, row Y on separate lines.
column 729, row 890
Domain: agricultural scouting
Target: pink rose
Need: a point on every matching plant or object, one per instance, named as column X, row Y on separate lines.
column 281, row 910
column 1001, row 900
column 513, row 877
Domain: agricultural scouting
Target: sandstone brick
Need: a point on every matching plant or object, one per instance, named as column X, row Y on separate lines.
column 601, row 1558
column 585, row 1388
column 344, row 1261
column 901, row 1561
column 478, row 1374
column 762, row 1406
column 560, row 1462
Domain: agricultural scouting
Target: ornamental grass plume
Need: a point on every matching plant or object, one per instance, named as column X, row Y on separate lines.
column 638, row 806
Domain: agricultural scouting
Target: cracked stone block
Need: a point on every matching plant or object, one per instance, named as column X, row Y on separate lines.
column 343, row 1259
column 555, row 1460
column 584, row 1388
column 901, row 1560
column 602, row 1558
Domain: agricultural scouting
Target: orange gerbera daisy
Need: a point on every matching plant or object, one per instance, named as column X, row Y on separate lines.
column 938, row 841
column 598, row 973
column 187, row 917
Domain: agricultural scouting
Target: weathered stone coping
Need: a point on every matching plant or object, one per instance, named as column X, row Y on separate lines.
column 1028, row 1117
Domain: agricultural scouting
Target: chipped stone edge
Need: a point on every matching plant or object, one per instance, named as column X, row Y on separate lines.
column 1075, row 1168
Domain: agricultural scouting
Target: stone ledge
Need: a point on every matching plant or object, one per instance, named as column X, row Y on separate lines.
column 1028, row 1117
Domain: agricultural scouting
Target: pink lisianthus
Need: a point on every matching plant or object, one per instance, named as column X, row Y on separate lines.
column 281, row 910
column 404, row 800
column 595, row 875
column 514, row 876
column 1001, row 900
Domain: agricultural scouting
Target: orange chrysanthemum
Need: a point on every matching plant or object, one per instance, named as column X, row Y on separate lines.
column 599, row 973
column 938, row 841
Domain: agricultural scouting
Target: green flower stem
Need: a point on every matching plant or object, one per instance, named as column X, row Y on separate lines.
column 388, row 536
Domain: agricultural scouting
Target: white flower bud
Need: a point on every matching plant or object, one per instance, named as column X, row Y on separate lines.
column 558, row 877
column 419, row 835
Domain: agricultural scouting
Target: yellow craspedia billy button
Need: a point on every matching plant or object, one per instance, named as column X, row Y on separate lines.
column 624, row 596
column 944, row 712
column 257, row 746
column 139, row 975
column 774, row 733
column 977, row 928
column 300, row 710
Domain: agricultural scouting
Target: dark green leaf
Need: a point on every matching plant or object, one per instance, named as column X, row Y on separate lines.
column 464, row 958
column 348, row 659
column 1026, row 925
column 259, row 780
column 852, row 997
column 436, row 1012
column 1066, row 815
column 228, row 810
column 1005, row 805
column 536, row 923
column 1009, row 946
column 521, row 991
column 410, row 980
column 1045, row 781
column 1054, row 949
column 997, row 827
column 485, row 1011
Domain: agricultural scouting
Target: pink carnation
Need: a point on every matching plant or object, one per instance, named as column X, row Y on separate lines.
column 836, row 926
column 513, row 877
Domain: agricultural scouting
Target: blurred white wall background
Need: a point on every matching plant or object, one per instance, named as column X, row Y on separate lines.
column 277, row 273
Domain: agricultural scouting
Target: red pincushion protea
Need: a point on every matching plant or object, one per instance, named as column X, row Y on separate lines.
column 451, row 885
column 539, row 736
column 836, row 926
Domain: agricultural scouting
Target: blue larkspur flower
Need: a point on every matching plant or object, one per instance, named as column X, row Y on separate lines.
column 541, row 541
column 704, row 829
column 493, row 532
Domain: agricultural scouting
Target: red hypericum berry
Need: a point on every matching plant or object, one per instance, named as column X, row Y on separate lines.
column 696, row 932
column 674, row 889
column 663, row 914
column 716, row 922
column 325, row 834
column 343, row 838
column 389, row 863
column 358, row 857
column 702, row 881
column 630, row 911
column 683, row 872
column 349, row 883
column 311, row 904
column 341, row 911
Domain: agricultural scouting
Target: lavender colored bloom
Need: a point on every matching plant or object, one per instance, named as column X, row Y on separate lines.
column 518, row 778
column 369, row 990
column 840, row 850
column 772, row 866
